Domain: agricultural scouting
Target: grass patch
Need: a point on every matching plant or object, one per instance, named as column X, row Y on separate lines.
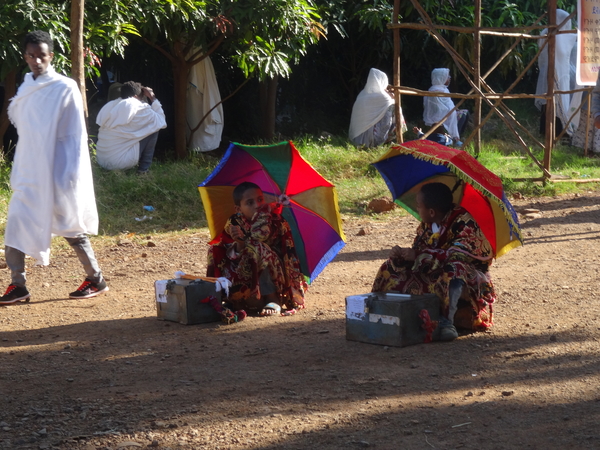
column 170, row 188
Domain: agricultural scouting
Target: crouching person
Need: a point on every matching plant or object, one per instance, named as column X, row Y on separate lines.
column 257, row 254
column 450, row 257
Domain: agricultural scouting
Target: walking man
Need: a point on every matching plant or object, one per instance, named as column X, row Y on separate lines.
column 51, row 178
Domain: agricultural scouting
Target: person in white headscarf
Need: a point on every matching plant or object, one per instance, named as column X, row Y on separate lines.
column 372, row 122
column 564, row 75
column 436, row 108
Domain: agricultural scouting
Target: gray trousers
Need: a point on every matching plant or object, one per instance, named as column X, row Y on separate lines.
column 15, row 260
column 147, row 146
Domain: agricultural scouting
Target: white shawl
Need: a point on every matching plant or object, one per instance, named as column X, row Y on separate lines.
column 51, row 179
column 202, row 95
column 435, row 108
column 564, row 71
column 123, row 124
column 371, row 104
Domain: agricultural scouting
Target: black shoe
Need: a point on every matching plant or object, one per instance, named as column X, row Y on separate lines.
column 448, row 333
column 14, row 294
column 89, row 289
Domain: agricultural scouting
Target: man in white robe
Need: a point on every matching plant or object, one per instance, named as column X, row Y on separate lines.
column 129, row 129
column 51, row 178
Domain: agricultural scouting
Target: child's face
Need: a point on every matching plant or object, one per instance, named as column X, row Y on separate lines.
column 427, row 214
column 252, row 200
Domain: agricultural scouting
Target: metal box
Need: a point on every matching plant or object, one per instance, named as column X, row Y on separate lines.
column 394, row 319
column 179, row 300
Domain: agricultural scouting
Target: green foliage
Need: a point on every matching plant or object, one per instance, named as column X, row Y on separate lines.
column 262, row 37
column 105, row 28
column 22, row 16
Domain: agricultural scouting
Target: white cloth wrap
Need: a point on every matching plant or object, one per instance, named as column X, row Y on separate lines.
column 223, row 283
column 435, row 108
column 123, row 124
column 564, row 72
column 202, row 95
column 371, row 104
column 51, row 178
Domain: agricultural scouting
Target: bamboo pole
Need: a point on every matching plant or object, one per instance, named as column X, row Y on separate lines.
column 550, row 112
column 509, row 32
column 414, row 91
column 477, row 75
column 397, row 104
column 587, row 122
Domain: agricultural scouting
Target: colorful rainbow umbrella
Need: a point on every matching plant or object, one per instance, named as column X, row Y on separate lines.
column 405, row 168
column 313, row 212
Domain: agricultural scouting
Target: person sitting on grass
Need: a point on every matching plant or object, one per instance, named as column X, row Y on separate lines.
column 450, row 257
column 256, row 253
column 129, row 129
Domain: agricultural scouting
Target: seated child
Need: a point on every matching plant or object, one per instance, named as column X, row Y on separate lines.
column 450, row 257
column 256, row 253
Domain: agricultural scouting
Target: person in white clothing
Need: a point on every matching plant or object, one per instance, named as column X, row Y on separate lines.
column 129, row 129
column 51, row 178
column 372, row 122
column 436, row 108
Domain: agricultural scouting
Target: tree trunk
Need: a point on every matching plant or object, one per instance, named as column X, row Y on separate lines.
column 268, row 101
column 77, row 72
column 180, row 81
column 10, row 89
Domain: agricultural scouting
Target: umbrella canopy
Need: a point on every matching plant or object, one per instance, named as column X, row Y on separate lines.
column 405, row 168
column 313, row 212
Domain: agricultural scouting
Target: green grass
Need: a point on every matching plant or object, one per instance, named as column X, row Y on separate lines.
column 171, row 187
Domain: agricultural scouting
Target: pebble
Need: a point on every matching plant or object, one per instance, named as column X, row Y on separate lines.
column 129, row 444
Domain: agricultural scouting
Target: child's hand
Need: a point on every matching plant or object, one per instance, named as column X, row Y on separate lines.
column 406, row 254
column 237, row 234
column 395, row 253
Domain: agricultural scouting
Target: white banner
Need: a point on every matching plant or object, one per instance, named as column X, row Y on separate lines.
column 588, row 42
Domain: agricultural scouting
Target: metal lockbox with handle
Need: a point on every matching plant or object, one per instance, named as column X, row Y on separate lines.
column 181, row 300
column 394, row 319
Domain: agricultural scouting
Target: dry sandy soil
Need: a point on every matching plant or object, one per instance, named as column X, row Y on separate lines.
column 104, row 373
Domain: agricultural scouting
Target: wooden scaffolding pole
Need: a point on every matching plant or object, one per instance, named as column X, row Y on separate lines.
column 477, row 76
column 397, row 105
column 550, row 111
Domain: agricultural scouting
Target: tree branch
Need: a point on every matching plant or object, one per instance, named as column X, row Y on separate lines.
column 160, row 49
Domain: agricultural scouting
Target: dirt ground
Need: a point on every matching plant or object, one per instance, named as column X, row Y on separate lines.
column 104, row 373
